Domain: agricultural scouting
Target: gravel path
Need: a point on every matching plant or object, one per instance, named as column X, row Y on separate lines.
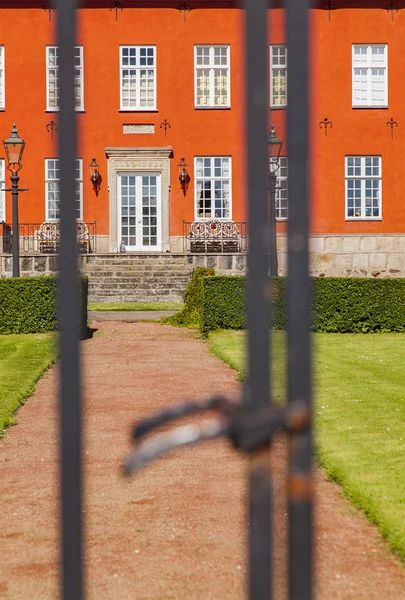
column 176, row 531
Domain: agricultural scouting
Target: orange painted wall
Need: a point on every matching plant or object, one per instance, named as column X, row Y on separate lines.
column 355, row 131
column 193, row 132
column 206, row 132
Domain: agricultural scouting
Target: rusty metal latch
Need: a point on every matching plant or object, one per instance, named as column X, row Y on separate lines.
column 247, row 429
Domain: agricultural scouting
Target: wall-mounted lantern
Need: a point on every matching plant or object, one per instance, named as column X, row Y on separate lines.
column 184, row 177
column 95, row 175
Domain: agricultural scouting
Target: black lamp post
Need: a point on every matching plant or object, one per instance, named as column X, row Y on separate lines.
column 275, row 145
column 14, row 147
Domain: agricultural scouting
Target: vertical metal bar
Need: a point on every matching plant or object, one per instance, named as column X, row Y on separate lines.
column 298, row 288
column 257, row 390
column 70, row 393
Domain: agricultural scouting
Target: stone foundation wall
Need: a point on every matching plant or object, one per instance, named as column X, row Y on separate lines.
column 352, row 255
column 330, row 256
column 230, row 264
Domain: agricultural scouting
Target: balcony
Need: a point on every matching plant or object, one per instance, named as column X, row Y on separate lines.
column 44, row 238
column 214, row 236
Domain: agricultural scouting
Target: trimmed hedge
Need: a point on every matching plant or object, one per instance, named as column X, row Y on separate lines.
column 30, row 305
column 191, row 315
column 339, row 305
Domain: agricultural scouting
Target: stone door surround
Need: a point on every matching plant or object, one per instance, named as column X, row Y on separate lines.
column 156, row 160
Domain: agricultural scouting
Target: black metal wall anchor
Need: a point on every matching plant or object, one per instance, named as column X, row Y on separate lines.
column 391, row 123
column 393, row 8
column 329, row 6
column 52, row 127
column 247, row 429
column 184, row 8
column 49, row 11
column 116, row 6
column 325, row 123
column 165, row 125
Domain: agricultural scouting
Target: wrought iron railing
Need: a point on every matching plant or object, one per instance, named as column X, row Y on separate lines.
column 44, row 238
column 215, row 236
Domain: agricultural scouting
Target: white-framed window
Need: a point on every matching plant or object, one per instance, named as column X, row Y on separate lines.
column 212, row 76
column 52, row 78
column 2, row 80
column 281, row 188
column 278, row 76
column 52, row 196
column 138, row 77
column 370, row 75
column 213, row 189
column 363, row 187
column 2, row 192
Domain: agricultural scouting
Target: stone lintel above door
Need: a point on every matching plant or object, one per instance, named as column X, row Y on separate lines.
column 141, row 160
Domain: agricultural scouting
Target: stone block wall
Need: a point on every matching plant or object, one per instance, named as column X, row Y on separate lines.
column 330, row 256
column 231, row 264
column 352, row 255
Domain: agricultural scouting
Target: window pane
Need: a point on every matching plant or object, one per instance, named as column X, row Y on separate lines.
column 212, row 76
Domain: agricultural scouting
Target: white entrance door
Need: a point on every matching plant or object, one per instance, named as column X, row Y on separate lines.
column 139, row 211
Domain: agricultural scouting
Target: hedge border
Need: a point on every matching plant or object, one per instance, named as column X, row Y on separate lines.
column 339, row 305
column 30, row 305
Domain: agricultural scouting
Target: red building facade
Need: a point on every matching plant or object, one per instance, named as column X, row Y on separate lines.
column 155, row 85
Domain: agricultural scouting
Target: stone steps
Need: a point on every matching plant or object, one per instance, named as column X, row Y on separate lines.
column 138, row 278
column 139, row 260
column 111, row 269
column 139, row 296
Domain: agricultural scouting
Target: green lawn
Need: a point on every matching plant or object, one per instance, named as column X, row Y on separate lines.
column 23, row 358
column 359, row 416
column 127, row 306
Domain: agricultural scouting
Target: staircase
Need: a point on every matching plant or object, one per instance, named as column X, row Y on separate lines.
column 138, row 278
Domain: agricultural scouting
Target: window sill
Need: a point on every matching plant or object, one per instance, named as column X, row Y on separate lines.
column 57, row 111
column 206, row 219
column 278, row 107
column 355, row 219
column 372, row 107
column 137, row 110
column 212, row 107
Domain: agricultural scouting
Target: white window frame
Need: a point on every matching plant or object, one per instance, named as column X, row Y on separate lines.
column 2, row 78
column 2, row 191
column 211, row 68
column 213, row 179
column 273, row 68
column 280, row 178
column 138, row 68
column 369, row 65
column 80, row 68
column 363, row 178
column 79, row 180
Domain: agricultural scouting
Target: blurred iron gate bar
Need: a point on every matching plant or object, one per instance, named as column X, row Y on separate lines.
column 298, row 310
column 70, row 391
column 257, row 390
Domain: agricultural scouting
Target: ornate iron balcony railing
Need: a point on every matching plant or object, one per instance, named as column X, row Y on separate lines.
column 215, row 236
column 44, row 238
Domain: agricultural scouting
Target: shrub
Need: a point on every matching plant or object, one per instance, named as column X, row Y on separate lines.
column 224, row 303
column 339, row 305
column 30, row 305
column 191, row 315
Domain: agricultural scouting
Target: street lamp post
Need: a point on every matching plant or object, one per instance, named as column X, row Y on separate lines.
column 14, row 147
column 275, row 145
